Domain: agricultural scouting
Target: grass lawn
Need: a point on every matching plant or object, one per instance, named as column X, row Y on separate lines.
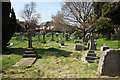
column 50, row 66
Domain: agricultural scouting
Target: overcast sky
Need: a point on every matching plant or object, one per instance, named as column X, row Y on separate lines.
column 46, row 9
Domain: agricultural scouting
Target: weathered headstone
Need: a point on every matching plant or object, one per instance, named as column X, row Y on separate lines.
column 56, row 34
column 43, row 36
column 58, row 40
column 62, row 42
column 51, row 54
column 72, row 38
column 92, row 43
column 63, row 34
column 79, row 47
column 48, row 35
column 85, row 39
column 32, row 34
column 109, row 63
column 14, row 35
column 77, row 42
column 39, row 36
column 52, row 37
column 66, row 37
column 19, row 37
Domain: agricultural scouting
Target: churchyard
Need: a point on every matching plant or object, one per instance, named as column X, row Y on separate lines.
column 58, row 57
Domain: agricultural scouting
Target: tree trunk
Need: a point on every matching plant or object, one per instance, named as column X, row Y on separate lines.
column 84, row 33
column 109, row 35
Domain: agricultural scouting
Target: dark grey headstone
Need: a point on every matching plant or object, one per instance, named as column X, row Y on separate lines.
column 109, row 63
column 62, row 42
column 77, row 42
column 79, row 47
column 19, row 38
column 51, row 53
column 66, row 37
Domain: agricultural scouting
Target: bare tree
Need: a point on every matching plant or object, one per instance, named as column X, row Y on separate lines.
column 77, row 14
column 29, row 14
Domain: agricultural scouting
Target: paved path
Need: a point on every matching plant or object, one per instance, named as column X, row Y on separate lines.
column 25, row 62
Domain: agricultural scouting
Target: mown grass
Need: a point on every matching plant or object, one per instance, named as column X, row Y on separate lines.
column 49, row 66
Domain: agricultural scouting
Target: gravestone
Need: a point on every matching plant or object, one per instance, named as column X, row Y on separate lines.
column 14, row 35
column 72, row 38
column 32, row 34
column 62, row 42
column 58, row 40
column 21, row 33
column 104, row 47
column 87, row 36
column 109, row 63
column 48, row 35
column 52, row 37
column 43, row 36
column 56, row 34
column 77, row 42
column 63, row 34
column 66, row 37
column 85, row 39
column 79, row 47
column 75, row 34
column 51, row 54
column 19, row 37
column 39, row 36
column 26, row 35
column 92, row 43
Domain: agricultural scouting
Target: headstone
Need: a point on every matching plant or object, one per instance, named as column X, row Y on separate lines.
column 39, row 36
column 66, row 37
column 19, row 37
column 63, row 34
column 25, row 35
column 51, row 53
column 109, row 63
column 85, row 39
column 48, row 35
column 80, row 37
column 56, row 34
column 77, row 42
column 104, row 47
column 62, row 42
column 72, row 38
column 87, row 36
column 21, row 33
column 32, row 34
column 58, row 40
column 92, row 43
column 14, row 35
column 52, row 37
column 79, row 47
column 43, row 36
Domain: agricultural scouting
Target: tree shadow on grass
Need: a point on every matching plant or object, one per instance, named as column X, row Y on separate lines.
column 39, row 51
